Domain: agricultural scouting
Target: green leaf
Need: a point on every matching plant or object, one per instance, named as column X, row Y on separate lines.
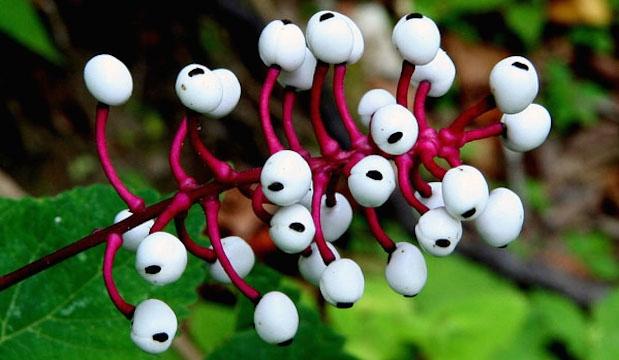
column 526, row 20
column 19, row 20
column 598, row 39
column 438, row 10
column 604, row 331
column 596, row 250
column 65, row 312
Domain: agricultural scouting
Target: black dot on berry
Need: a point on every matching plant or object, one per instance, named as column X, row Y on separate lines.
column 410, row 296
column 276, row 186
column 152, row 269
column 285, row 343
column 503, row 246
column 161, row 337
column 374, row 175
column 286, row 21
column 520, row 65
column 469, row 213
column 414, row 16
column 442, row 243
column 196, row 71
column 344, row 305
column 395, row 137
column 389, row 257
column 325, row 16
column 297, row 226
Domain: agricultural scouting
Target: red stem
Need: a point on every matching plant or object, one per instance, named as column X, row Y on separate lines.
column 419, row 106
column 404, row 165
column 197, row 250
column 220, row 169
column 328, row 146
column 257, row 201
column 184, row 181
column 134, row 202
column 114, row 241
column 290, row 97
column 181, row 202
column 320, row 183
column 491, row 130
column 265, row 115
column 428, row 162
column 211, row 209
column 339, row 73
column 418, row 182
column 467, row 116
column 404, row 83
column 383, row 239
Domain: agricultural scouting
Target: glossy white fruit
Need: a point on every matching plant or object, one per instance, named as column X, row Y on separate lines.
column 335, row 220
column 526, row 130
column 133, row 237
column 438, row 232
column 276, row 318
column 292, row 228
column 465, row 192
column 282, row 43
column 231, row 92
column 406, row 271
column 501, row 221
column 440, row 72
column 161, row 258
column 417, row 38
column 303, row 77
column 394, row 129
column 241, row 257
column 311, row 267
column 436, row 199
column 514, row 84
column 285, row 178
column 334, row 38
column 199, row 89
column 371, row 101
column 153, row 326
column 371, row 181
column 108, row 80
column 342, row 283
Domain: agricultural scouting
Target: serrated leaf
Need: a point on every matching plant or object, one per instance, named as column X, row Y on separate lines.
column 64, row 312
column 19, row 20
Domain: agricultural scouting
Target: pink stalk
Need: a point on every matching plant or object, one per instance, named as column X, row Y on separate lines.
column 211, row 209
column 197, row 250
column 114, row 241
column 383, row 239
column 404, row 83
column 265, row 115
column 290, row 97
column 320, row 183
column 220, row 169
column 356, row 137
column 428, row 162
column 419, row 106
column 404, row 165
column 419, row 183
column 467, row 116
column 184, row 181
column 181, row 202
column 134, row 202
column 491, row 130
column 257, row 201
column 328, row 146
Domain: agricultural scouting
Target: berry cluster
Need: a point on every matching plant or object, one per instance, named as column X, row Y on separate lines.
column 311, row 212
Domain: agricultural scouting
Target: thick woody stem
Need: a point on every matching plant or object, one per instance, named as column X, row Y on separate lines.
column 467, row 116
column 114, row 241
column 290, row 96
column 320, row 183
column 184, row 181
column 197, row 250
column 419, row 106
column 328, row 146
column 491, row 130
column 404, row 165
column 265, row 115
column 383, row 239
column 220, row 169
column 339, row 73
column 404, row 83
column 257, row 203
column 134, row 202
column 211, row 209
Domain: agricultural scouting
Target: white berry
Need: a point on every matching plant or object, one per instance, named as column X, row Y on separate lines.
column 108, row 80
column 465, row 192
column 133, row 237
column 285, row 178
column 526, row 130
column 161, row 258
column 276, row 318
column 342, row 283
column 502, row 219
column 417, row 38
column 303, row 77
column 438, row 232
column 153, row 326
column 440, row 72
column 371, row 181
column 514, row 84
column 335, row 220
column 436, row 199
column 292, row 228
column 199, row 89
column 371, row 101
column 394, row 129
column 282, row 43
column 406, row 270
column 231, row 92
column 241, row 257
column 311, row 267
column 334, row 38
